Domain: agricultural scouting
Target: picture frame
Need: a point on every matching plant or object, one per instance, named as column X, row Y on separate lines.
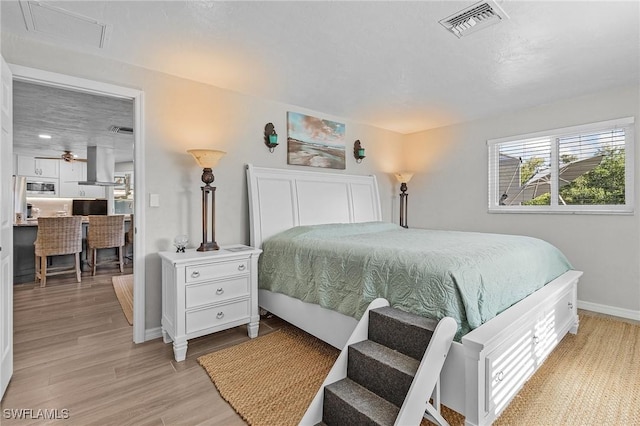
column 315, row 142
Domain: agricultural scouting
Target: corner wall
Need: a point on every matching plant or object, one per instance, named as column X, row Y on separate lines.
column 181, row 114
column 449, row 191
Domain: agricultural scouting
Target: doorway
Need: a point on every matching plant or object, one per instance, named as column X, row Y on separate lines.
column 45, row 78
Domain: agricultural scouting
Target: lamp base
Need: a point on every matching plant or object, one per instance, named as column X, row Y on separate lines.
column 208, row 246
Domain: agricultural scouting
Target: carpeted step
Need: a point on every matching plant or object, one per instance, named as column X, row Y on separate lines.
column 348, row 403
column 383, row 371
column 405, row 332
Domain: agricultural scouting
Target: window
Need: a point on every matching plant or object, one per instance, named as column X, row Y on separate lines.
column 581, row 169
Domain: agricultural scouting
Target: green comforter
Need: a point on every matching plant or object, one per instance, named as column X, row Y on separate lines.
column 469, row 276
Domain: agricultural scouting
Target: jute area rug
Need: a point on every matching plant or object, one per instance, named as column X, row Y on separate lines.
column 123, row 286
column 592, row 378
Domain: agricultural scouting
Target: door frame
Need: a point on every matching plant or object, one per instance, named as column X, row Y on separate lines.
column 34, row 75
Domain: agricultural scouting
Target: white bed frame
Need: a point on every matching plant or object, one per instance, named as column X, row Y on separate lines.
column 485, row 371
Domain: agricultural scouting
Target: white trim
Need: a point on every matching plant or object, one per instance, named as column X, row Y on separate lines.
column 620, row 122
column 609, row 310
column 152, row 333
column 553, row 135
column 48, row 78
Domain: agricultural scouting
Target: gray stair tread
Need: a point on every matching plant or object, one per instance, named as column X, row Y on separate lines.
column 408, row 318
column 403, row 331
column 381, row 411
column 388, row 356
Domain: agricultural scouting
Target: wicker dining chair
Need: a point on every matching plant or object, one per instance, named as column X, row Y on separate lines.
column 105, row 232
column 128, row 239
column 57, row 236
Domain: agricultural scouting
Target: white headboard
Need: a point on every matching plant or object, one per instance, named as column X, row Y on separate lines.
column 280, row 199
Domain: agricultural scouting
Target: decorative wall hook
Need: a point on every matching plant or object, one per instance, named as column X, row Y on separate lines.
column 358, row 151
column 270, row 137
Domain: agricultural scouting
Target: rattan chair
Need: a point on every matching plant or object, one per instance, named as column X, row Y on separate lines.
column 57, row 236
column 105, row 232
column 128, row 239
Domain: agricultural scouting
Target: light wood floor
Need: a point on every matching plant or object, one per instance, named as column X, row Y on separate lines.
column 73, row 350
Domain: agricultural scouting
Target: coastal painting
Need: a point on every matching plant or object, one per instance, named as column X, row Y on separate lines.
column 315, row 142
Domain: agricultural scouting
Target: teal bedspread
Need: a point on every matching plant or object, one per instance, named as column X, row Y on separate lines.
column 469, row 276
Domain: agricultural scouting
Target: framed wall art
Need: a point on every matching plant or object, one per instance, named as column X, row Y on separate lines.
column 315, row 142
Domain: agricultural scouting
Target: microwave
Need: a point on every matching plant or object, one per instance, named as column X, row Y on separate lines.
column 40, row 187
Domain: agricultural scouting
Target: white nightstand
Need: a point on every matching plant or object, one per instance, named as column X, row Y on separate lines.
column 207, row 292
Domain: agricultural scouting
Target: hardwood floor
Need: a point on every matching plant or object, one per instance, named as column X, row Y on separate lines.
column 74, row 356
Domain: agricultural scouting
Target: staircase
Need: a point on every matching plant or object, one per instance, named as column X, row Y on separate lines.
column 387, row 371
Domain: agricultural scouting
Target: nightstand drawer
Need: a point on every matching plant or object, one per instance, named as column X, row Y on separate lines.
column 206, row 272
column 216, row 316
column 217, row 291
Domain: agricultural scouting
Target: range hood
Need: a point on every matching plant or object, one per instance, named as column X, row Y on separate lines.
column 100, row 166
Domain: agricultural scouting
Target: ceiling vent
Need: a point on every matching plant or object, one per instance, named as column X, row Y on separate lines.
column 122, row 130
column 473, row 18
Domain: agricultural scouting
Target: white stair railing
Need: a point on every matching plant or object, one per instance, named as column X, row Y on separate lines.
column 313, row 415
column 416, row 403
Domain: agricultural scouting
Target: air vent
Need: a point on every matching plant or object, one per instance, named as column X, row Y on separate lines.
column 474, row 18
column 123, row 130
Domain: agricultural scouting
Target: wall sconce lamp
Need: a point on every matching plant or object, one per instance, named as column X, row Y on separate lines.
column 207, row 159
column 403, row 178
column 358, row 151
column 270, row 137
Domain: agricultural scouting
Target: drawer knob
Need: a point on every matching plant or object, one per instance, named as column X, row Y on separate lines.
column 219, row 291
column 570, row 306
column 241, row 267
column 500, row 376
column 220, row 315
column 195, row 274
column 536, row 340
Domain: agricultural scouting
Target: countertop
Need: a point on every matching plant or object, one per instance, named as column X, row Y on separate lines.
column 34, row 222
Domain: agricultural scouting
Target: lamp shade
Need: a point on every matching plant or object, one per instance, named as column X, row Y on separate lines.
column 206, row 158
column 404, row 177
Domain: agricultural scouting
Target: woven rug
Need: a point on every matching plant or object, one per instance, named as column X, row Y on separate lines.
column 592, row 378
column 123, row 286
column 271, row 380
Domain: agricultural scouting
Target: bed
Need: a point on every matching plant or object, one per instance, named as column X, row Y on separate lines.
column 492, row 357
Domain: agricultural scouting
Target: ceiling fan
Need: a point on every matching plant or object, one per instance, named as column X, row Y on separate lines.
column 68, row 157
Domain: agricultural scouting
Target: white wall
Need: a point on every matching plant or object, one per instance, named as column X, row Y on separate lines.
column 182, row 114
column 449, row 191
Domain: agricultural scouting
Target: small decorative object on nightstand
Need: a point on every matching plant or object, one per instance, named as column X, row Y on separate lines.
column 358, row 151
column 207, row 292
column 180, row 241
column 270, row 137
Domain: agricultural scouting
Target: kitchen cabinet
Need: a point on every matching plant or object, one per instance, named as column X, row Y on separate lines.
column 70, row 174
column 30, row 166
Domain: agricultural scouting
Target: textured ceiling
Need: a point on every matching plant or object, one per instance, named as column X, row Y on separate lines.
column 75, row 120
column 388, row 64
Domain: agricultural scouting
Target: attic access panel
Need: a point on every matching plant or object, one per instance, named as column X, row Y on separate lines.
column 54, row 21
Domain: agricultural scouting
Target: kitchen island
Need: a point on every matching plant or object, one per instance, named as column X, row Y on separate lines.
column 24, row 258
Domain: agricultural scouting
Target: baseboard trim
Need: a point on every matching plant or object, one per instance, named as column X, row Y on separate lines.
column 152, row 333
column 609, row 310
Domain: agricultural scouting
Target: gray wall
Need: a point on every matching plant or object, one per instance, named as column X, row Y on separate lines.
column 449, row 191
column 181, row 114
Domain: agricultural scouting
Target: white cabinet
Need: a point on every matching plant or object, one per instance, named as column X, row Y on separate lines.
column 207, row 292
column 511, row 364
column 70, row 174
column 30, row 166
